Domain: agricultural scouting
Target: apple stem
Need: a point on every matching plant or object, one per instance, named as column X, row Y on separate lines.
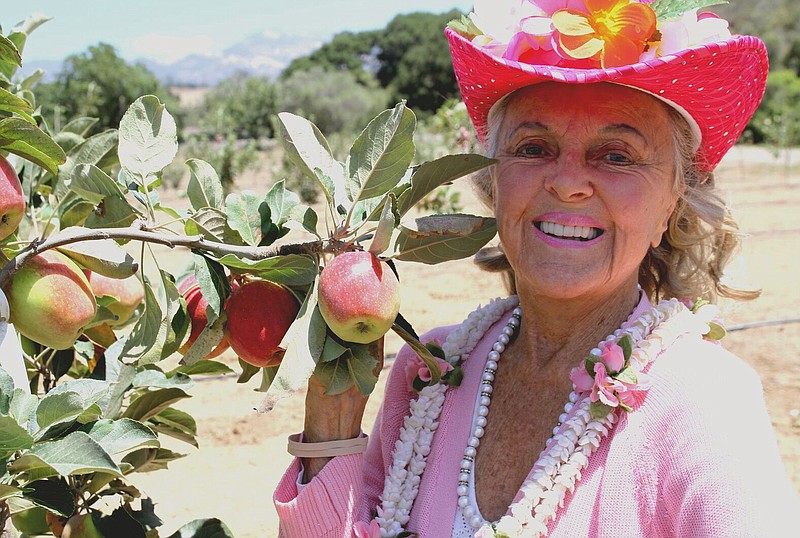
column 137, row 232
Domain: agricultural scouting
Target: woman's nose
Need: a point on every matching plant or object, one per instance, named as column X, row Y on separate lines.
column 570, row 182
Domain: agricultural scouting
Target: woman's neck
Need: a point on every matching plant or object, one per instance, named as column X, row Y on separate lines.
column 554, row 330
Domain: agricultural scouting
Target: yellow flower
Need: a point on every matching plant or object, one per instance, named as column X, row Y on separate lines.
column 614, row 31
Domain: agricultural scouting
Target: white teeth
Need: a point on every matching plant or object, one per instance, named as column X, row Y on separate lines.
column 558, row 230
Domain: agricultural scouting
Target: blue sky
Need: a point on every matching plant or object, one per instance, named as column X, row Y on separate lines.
column 169, row 29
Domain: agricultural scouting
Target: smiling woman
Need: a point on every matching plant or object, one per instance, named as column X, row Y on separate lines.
column 589, row 404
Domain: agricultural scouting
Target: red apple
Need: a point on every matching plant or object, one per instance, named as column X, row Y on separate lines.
column 129, row 292
column 196, row 305
column 51, row 301
column 12, row 200
column 359, row 296
column 259, row 314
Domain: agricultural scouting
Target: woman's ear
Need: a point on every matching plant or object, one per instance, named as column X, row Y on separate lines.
column 665, row 223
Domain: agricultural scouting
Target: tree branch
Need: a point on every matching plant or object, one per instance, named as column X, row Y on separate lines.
column 135, row 233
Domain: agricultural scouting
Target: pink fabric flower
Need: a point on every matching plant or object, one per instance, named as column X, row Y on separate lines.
column 367, row 530
column 605, row 386
column 582, row 380
column 485, row 532
column 612, row 355
column 416, row 367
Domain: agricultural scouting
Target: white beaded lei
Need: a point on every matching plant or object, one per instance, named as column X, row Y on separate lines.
column 567, row 453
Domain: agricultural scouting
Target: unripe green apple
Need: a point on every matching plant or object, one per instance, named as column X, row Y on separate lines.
column 51, row 301
column 129, row 293
column 81, row 526
column 359, row 296
column 259, row 314
column 12, row 200
column 31, row 521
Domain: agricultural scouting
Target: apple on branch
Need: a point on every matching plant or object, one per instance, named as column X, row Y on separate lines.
column 129, row 293
column 359, row 296
column 260, row 313
column 196, row 305
column 51, row 300
column 12, row 199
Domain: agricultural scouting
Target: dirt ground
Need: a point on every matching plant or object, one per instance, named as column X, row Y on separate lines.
column 242, row 455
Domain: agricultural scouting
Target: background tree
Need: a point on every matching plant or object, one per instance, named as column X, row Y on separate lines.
column 242, row 106
column 348, row 51
column 100, row 84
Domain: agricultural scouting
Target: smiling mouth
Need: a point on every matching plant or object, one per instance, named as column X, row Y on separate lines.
column 574, row 233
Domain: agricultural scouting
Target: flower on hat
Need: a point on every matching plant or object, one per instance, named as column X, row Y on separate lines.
column 589, row 33
column 615, row 32
column 690, row 30
column 367, row 530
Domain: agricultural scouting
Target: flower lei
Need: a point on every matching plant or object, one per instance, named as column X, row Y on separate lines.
column 590, row 33
column 615, row 384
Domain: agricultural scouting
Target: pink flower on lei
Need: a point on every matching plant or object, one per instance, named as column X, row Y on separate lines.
column 367, row 530
column 604, row 386
column 417, row 368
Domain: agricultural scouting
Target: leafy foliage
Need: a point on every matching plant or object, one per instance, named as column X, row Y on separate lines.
column 97, row 83
column 241, row 107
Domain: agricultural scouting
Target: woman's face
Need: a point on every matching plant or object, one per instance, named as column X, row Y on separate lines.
column 583, row 186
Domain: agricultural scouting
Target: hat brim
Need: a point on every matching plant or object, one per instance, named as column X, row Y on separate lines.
column 718, row 85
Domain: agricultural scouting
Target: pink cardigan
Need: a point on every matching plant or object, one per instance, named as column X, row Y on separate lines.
column 697, row 459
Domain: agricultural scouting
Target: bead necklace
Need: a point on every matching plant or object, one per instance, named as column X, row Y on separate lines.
column 481, row 416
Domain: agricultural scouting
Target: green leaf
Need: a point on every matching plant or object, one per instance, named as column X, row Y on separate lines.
column 102, row 256
column 308, row 149
column 627, row 375
column 77, row 453
column 141, row 341
column 6, row 492
column 9, row 55
column 160, row 380
column 146, row 460
column 93, row 150
column 386, row 225
column 304, row 216
column 23, row 406
column 361, row 367
column 433, row 174
column 176, row 322
column 627, row 346
column 203, row 528
column 422, row 352
column 148, row 140
column 248, row 371
column 120, row 436
column 212, row 224
column 59, row 408
column 177, row 420
column 53, row 495
column 289, row 270
column 332, row 350
column 208, row 339
column 29, row 142
column 303, row 343
column 152, row 403
column 213, row 284
column 281, row 202
column 715, row 332
column 381, row 154
column 12, row 104
column 335, row 375
column 245, row 215
column 81, row 127
column 440, row 238
column 95, row 186
column 205, row 187
column 599, row 410
column 13, row 437
column 666, row 9
column 118, row 377
column 206, row 367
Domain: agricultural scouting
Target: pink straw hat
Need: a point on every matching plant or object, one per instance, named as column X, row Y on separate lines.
column 716, row 86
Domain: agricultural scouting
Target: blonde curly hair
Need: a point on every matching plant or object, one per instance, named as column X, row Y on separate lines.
column 700, row 240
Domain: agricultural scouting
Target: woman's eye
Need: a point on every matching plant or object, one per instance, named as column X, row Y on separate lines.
column 617, row 158
column 532, row 150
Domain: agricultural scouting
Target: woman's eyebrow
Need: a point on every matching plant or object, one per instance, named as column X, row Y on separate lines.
column 529, row 126
column 623, row 128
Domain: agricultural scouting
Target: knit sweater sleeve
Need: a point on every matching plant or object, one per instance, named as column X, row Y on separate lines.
column 347, row 489
column 718, row 470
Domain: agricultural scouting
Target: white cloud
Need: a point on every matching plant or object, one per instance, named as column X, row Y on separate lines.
column 168, row 49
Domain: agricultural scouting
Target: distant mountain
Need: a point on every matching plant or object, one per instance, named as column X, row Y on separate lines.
column 262, row 54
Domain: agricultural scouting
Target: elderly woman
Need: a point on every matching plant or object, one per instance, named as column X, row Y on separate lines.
column 595, row 400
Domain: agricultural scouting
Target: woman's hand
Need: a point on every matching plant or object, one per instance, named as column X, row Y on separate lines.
column 330, row 418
